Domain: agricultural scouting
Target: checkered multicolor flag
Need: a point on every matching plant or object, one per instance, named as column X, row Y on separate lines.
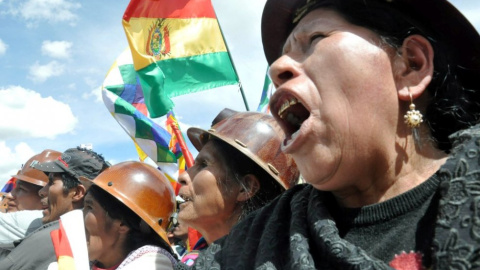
column 123, row 97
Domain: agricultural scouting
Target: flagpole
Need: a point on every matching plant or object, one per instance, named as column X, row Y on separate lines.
column 233, row 64
column 186, row 154
column 173, row 123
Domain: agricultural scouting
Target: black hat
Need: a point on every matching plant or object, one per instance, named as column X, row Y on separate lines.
column 77, row 162
column 451, row 26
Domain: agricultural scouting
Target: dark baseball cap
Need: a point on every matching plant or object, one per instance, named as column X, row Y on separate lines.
column 77, row 162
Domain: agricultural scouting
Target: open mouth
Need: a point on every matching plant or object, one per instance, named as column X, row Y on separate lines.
column 185, row 198
column 290, row 114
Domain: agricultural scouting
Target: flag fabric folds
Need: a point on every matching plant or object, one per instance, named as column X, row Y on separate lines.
column 69, row 243
column 177, row 48
column 267, row 92
column 123, row 96
column 9, row 186
column 62, row 248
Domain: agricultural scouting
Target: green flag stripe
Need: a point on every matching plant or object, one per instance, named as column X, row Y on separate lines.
column 128, row 74
column 182, row 76
column 196, row 73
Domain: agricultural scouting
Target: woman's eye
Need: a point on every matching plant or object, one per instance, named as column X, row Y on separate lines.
column 203, row 164
column 315, row 37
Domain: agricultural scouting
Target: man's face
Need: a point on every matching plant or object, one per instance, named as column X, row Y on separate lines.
column 58, row 201
column 24, row 197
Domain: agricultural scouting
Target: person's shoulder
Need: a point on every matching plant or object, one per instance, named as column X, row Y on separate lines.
column 21, row 215
column 148, row 257
column 28, row 255
column 465, row 139
column 278, row 210
column 41, row 232
column 150, row 260
column 281, row 203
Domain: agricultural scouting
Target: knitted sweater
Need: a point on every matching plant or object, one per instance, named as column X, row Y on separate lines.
column 439, row 221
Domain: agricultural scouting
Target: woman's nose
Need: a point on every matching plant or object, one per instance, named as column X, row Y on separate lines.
column 43, row 191
column 284, row 69
column 184, row 178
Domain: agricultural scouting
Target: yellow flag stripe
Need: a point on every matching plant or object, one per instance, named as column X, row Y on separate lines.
column 174, row 38
column 66, row 263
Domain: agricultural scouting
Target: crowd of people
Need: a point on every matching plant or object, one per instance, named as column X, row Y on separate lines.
column 377, row 107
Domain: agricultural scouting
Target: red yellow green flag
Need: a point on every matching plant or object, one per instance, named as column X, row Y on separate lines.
column 177, row 48
column 69, row 243
column 62, row 249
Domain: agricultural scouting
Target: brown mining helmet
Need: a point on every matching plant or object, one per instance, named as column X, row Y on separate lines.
column 142, row 188
column 32, row 175
column 257, row 136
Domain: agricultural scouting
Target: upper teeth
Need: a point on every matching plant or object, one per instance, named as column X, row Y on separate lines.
column 185, row 199
column 286, row 105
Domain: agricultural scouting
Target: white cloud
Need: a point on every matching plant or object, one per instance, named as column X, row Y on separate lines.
column 29, row 115
column 40, row 73
column 95, row 93
column 53, row 11
column 91, row 82
column 11, row 160
column 3, row 47
column 56, row 49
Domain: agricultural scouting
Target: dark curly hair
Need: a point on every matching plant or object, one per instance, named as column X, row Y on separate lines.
column 454, row 91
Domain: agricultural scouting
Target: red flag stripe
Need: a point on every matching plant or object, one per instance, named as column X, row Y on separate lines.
column 182, row 9
column 60, row 241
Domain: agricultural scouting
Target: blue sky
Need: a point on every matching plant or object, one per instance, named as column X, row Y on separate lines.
column 54, row 55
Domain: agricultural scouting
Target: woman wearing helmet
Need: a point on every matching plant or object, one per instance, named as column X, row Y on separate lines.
column 238, row 169
column 127, row 212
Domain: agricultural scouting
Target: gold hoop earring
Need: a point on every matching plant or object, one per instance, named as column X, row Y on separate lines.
column 413, row 118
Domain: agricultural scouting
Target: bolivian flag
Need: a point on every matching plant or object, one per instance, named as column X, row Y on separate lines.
column 123, row 97
column 69, row 243
column 177, row 48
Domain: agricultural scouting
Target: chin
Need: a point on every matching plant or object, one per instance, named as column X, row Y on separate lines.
column 314, row 176
column 186, row 219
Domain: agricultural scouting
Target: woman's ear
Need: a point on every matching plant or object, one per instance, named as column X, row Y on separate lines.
column 122, row 227
column 250, row 187
column 416, row 70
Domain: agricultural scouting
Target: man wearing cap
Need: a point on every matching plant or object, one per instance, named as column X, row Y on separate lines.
column 24, row 205
column 69, row 178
